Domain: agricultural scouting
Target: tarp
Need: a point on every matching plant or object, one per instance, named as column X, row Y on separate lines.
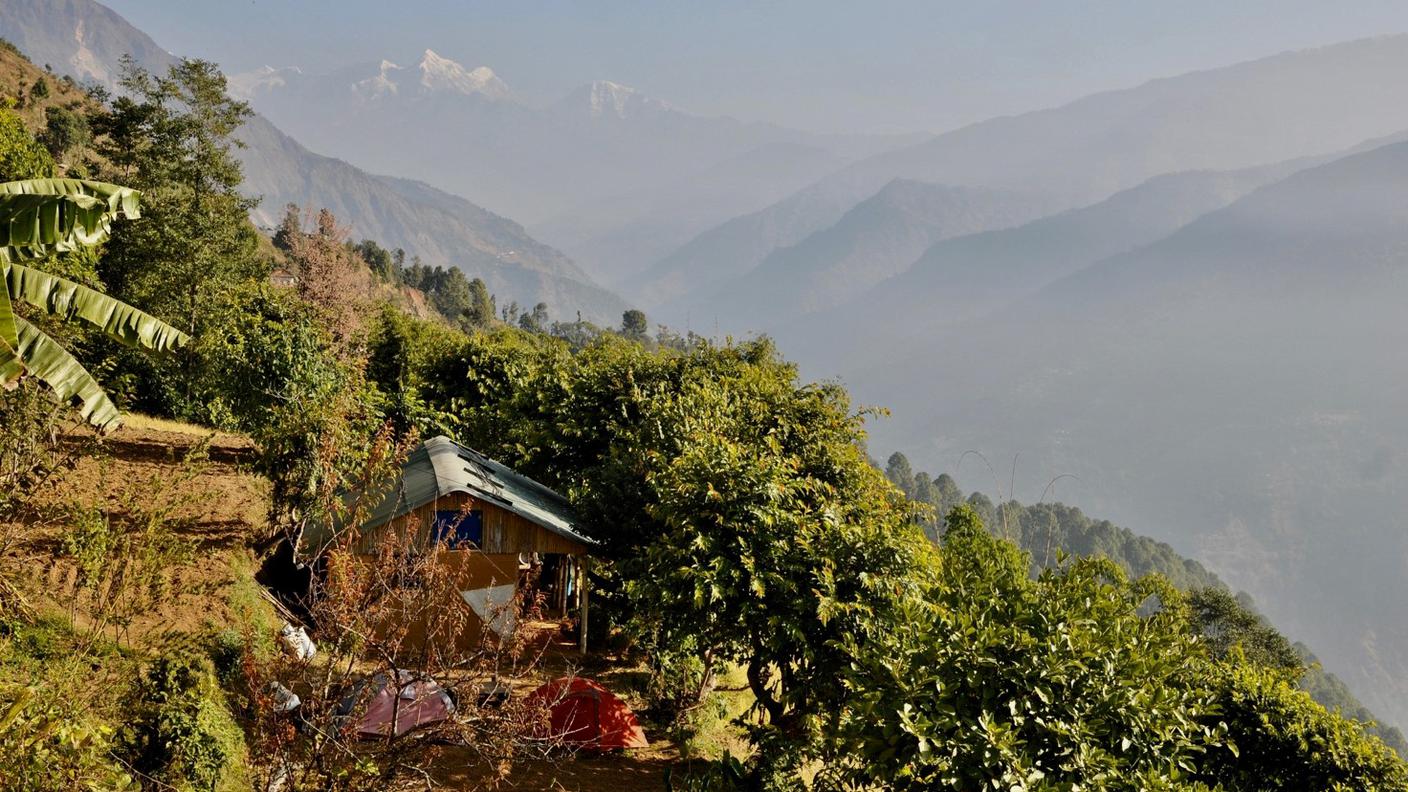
column 495, row 606
column 585, row 714
column 418, row 701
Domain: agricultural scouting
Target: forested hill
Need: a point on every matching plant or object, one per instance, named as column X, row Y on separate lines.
column 1048, row 531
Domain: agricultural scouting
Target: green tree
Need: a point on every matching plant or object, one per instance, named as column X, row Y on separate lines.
column 481, row 311
column 379, row 260
column 40, row 89
column 741, row 520
column 448, row 290
column 1227, row 625
column 290, row 228
column 264, row 362
column 65, row 132
column 898, row 471
column 172, row 137
column 537, row 321
column 633, row 324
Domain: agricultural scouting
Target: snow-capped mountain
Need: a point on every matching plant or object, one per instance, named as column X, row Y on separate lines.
column 247, row 85
column 586, row 170
column 86, row 40
column 433, row 74
column 606, row 99
column 436, row 73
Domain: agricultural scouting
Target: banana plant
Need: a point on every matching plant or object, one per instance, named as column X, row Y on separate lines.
column 43, row 216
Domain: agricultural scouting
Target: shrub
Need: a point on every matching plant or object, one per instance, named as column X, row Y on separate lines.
column 21, row 156
column 182, row 733
column 1280, row 739
column 677, row 683
column 45, row 744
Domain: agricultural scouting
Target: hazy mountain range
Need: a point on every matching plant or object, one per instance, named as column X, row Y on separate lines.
column 877, row 238
column 1255, row 113
column 1236, row 387
column 1187, row 293
column 87, row 40
column 1207, row 336
column 616, row 177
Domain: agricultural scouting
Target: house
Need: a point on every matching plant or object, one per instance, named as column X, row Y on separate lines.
column 490, row 524
column 283, row 278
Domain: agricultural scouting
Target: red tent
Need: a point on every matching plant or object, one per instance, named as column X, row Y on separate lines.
column 419, row 701
column 583, row 713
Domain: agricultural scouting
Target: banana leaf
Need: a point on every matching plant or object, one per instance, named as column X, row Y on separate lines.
column 43, row 216
column 68, row 300
column 9, row 340
column 40, row 356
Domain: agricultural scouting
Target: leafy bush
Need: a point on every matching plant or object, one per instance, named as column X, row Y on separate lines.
column 182, row 732
column 675, row 684
column 994, row 680
column 1280, row 739
column 264, row 364
column 59, row 705
column 741, row 518
column 31, row 447
column 21, row 156
column 46, row 744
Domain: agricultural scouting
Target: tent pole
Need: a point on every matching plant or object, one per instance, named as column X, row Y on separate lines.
column 585, row 562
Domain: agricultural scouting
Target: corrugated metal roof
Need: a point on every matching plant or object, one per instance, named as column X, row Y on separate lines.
column 441, row 467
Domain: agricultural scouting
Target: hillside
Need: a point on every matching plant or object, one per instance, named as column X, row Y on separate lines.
column 1234, row 387
column 197, row 481
column 87, row 39
column 442, row 229
column 1046, row 531
column 965, row 277
column 619, row 236
column 1317, row 101
column 877, row 238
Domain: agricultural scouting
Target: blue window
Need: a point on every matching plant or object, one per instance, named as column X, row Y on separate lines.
column 458, row 529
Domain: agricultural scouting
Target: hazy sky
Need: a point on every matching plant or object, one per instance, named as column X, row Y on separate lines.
column 818, row 64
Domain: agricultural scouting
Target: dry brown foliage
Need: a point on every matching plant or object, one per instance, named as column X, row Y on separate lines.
column 331, row 277
column 386, row 609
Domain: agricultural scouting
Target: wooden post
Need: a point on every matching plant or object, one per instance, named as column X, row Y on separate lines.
column 560, row 596
column 583, row 565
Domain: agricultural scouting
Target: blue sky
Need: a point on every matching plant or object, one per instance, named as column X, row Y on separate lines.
column 876, row 65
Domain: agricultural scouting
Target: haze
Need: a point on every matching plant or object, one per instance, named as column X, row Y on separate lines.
column 828, row 66
column 1154, row 253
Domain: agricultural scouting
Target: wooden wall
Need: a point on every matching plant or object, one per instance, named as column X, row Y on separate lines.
column 505, row 536
column 504, row 531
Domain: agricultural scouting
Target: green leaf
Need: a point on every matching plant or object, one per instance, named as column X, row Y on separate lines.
column 68, row 300
column 43, row 216
column 40, row 356
column 9, row 338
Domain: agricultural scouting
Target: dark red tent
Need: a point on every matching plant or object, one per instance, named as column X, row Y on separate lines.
column 583, row 713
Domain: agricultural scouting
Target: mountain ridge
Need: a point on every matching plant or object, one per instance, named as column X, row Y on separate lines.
column 1321, row 101
column 440, row 228
column 1252, row 356
column 872, row 241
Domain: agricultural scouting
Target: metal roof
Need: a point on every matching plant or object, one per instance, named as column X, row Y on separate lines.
column 441, row 467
